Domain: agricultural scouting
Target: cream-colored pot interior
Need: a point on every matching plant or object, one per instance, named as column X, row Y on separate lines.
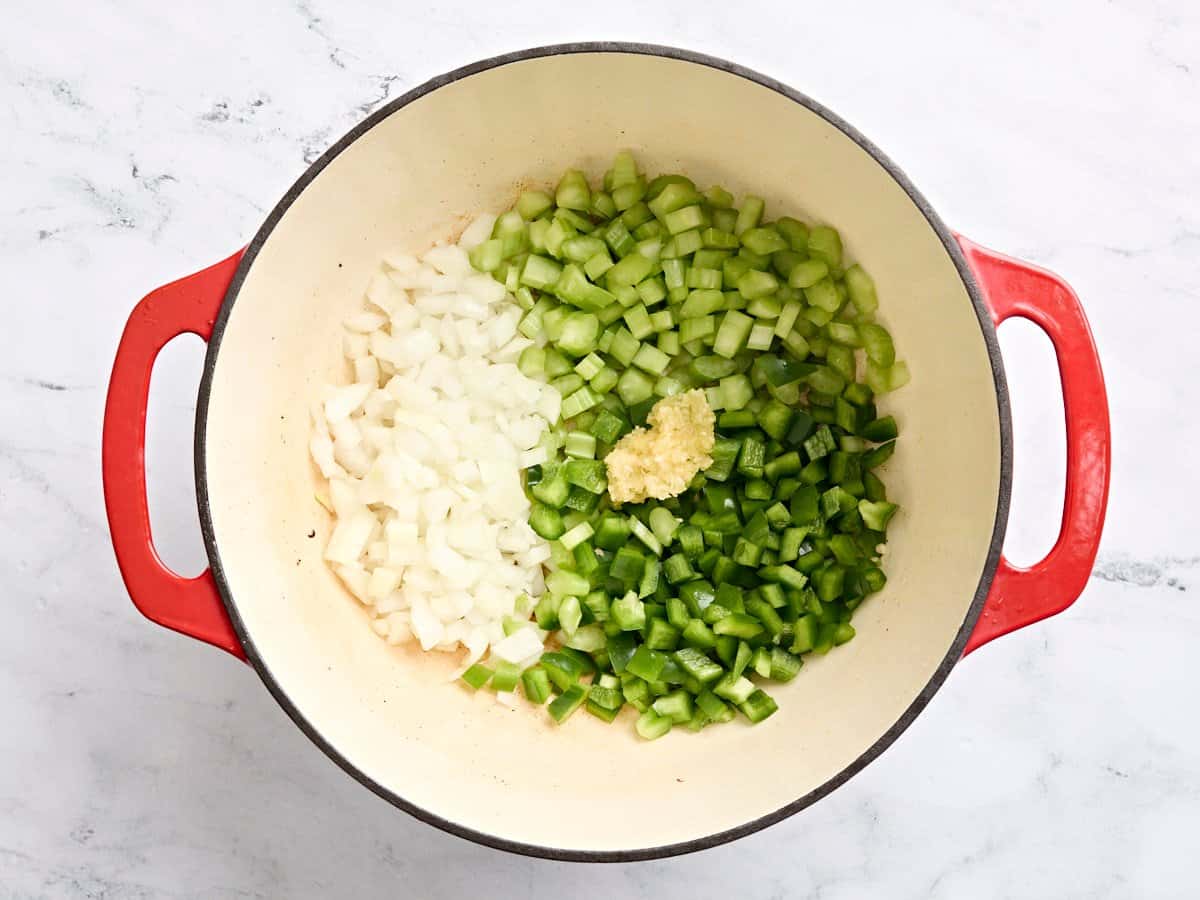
column 511, row 775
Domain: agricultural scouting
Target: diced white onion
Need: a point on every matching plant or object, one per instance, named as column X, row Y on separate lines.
column 349, row 538
column 423, row 454
column 366, row 322
column 343, row 401
column 478, row 231
column 533, row 457
column 355, row 346
column 517, row 646
column 449, row 259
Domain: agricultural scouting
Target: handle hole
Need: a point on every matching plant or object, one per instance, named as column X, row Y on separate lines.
column 1039, row 442
column 170, row 464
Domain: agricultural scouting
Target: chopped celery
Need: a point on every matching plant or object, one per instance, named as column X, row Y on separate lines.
column 651, row 359
column 861, row 288
column 637, row 320
column 642, row 288
column 486, row 257
column 757, row 284
column 761, row 337
column 674, row 196
column 732, row 334
column 878, row 344
column 825, row 244
column 749, row 215
column 580, row 331
column 580, row 445
column 736, row 392
column 808, row 273
column 573, row 191
column 763, row 241
column 634, row 387
column 532, row 204
column 539, row 272
column 576, row 536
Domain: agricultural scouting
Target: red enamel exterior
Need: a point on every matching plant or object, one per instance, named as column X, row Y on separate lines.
column 1019, row 597
column 190, row 606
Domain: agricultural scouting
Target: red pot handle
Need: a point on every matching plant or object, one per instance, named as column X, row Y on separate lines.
column 1020, row 597
column 190, row 606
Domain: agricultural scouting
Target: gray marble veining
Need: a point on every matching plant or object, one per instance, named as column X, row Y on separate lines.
column 143, row 140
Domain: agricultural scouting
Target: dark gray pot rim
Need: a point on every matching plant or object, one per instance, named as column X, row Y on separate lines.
column 953, row 654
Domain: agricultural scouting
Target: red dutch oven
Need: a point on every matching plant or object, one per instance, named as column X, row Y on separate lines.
column 411, row 173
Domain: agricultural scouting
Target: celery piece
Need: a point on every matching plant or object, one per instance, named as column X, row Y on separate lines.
column 861, row 288
column 824, row 243
column 572, row 191
column 532, row 204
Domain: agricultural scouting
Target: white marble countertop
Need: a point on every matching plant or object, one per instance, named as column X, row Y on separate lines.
column 141, row 143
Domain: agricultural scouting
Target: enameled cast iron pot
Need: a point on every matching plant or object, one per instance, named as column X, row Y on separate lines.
column 411, row 173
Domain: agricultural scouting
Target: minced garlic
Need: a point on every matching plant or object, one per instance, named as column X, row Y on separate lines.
column 660, row 461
